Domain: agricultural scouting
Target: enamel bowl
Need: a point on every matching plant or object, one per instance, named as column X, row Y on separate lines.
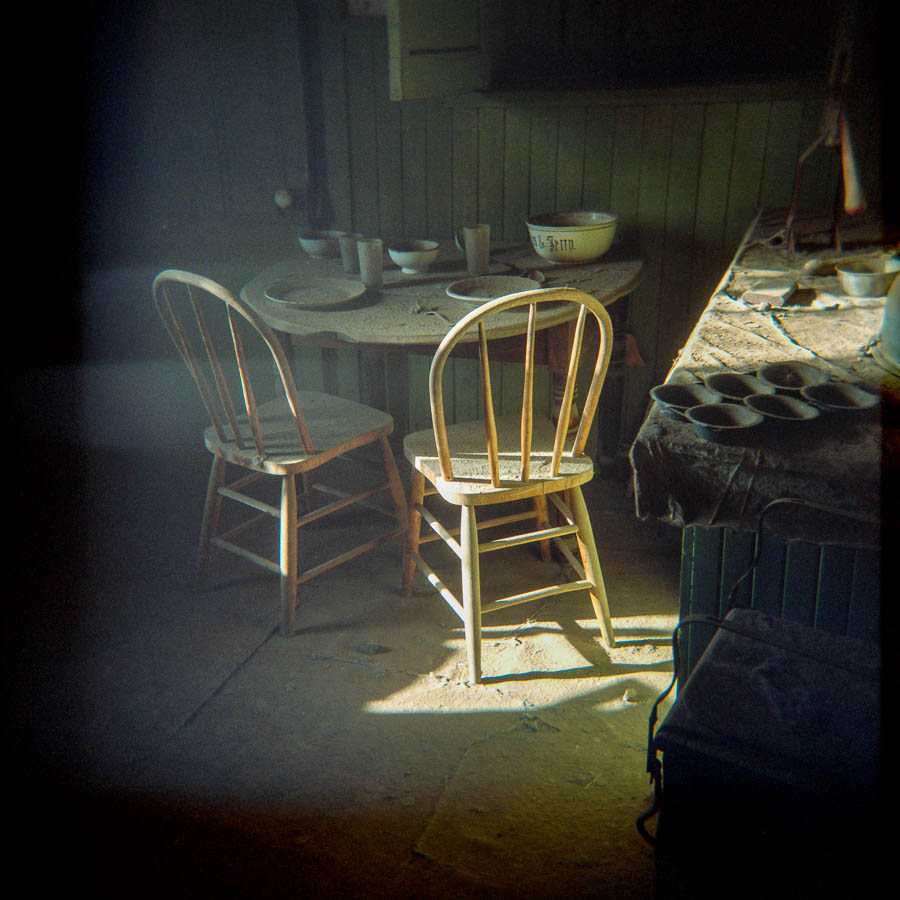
column 867, row 277
column 572, row 237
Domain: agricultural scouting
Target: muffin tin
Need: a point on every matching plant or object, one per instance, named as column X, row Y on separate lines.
column 729, row 407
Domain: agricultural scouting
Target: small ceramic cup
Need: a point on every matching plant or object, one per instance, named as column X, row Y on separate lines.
column 349, row 254
column 477, row 240
column 371, row 262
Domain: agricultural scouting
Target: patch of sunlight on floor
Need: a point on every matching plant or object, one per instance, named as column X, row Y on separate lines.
column 542, row 665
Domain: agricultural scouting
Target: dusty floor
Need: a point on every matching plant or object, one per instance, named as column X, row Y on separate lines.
column 177, row 738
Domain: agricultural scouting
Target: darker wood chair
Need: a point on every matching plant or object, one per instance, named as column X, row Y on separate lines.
column 510, row 458
column 289, row 437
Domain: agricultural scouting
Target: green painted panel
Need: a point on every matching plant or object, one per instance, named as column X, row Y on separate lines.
column 801, row 582
column 835, row 587
column 466, row 390
column 388, row 140
column 768, row 579
column 736, row 577
column 705, row 577
column 362, row 125
column 419, row 409
column 515, row 173
column 865, row 597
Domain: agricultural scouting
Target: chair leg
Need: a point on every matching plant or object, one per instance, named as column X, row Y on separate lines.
column 288, row 553
column 211, row 510
column 413, row 528
column 542, row 520
column 396, row 486
column 471, row 590
column 591, row 562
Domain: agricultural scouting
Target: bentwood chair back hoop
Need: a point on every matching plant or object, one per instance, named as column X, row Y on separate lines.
column 513, row 457
column 288, row 437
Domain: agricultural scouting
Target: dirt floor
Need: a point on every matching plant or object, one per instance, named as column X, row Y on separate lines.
column 177, row 737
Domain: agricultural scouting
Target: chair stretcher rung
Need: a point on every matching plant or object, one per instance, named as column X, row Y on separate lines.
column 570, row 557
column 348, row 555
column 247, row 554
column 439, row 585
column 528, row 596
column 345, row 501
column 532, row 536
column 437, row 527
column 557, row 501
column 487, row 523
column 247, row 500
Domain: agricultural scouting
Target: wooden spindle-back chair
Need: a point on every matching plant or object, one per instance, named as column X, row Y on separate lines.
column 508, row 458
column 292, row 435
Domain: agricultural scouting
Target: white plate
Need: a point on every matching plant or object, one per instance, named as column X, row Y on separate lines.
column 303, row 292
column 488, row 287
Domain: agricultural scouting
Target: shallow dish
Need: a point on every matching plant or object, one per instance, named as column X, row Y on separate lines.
column 867, row 277
column 572, row 237
column 736, row 386
column 321, row 244
column 413, row 257
column 781, row 408
column 303, row 292
column 723, row 421
column 675, row 398
column 488, row 287
column 791, row 376
column 840, row 397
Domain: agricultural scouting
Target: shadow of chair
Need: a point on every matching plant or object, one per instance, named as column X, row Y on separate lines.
column 502, row 459
column 288, row 437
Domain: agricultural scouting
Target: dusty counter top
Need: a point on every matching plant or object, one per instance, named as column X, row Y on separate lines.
column 834, row 465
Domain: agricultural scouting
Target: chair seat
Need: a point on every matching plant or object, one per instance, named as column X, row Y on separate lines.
column 471, row 485
column 336, row 425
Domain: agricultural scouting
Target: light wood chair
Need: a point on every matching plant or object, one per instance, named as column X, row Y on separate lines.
column 508, row 458
column 292, row 435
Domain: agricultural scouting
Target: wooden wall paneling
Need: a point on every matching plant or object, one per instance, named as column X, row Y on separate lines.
column 490, row 169
column 710, row 255
column 439, row 185
column 782, row 150
column 865, row 597
column 544, row 144
column 819, row 179
column 516, row 180
column 308, row 369
column 388, row 137
column 649, row 305
column 746, row 171
column 419, row 405
column 362, row 130
column 679, row 311
column 625, row 180
column 466, row 385
column 414, row 169
column 465, row 166
column 600, row 127
column 570, row 158
column 835, row 589
column 801, row 582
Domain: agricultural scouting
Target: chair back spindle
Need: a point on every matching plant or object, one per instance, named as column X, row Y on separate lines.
column 180, row 298
column 476, row 318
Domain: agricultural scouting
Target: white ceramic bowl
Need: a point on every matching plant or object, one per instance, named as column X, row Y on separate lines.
column 414, row 257
column 320, row 244
column 572, row 237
